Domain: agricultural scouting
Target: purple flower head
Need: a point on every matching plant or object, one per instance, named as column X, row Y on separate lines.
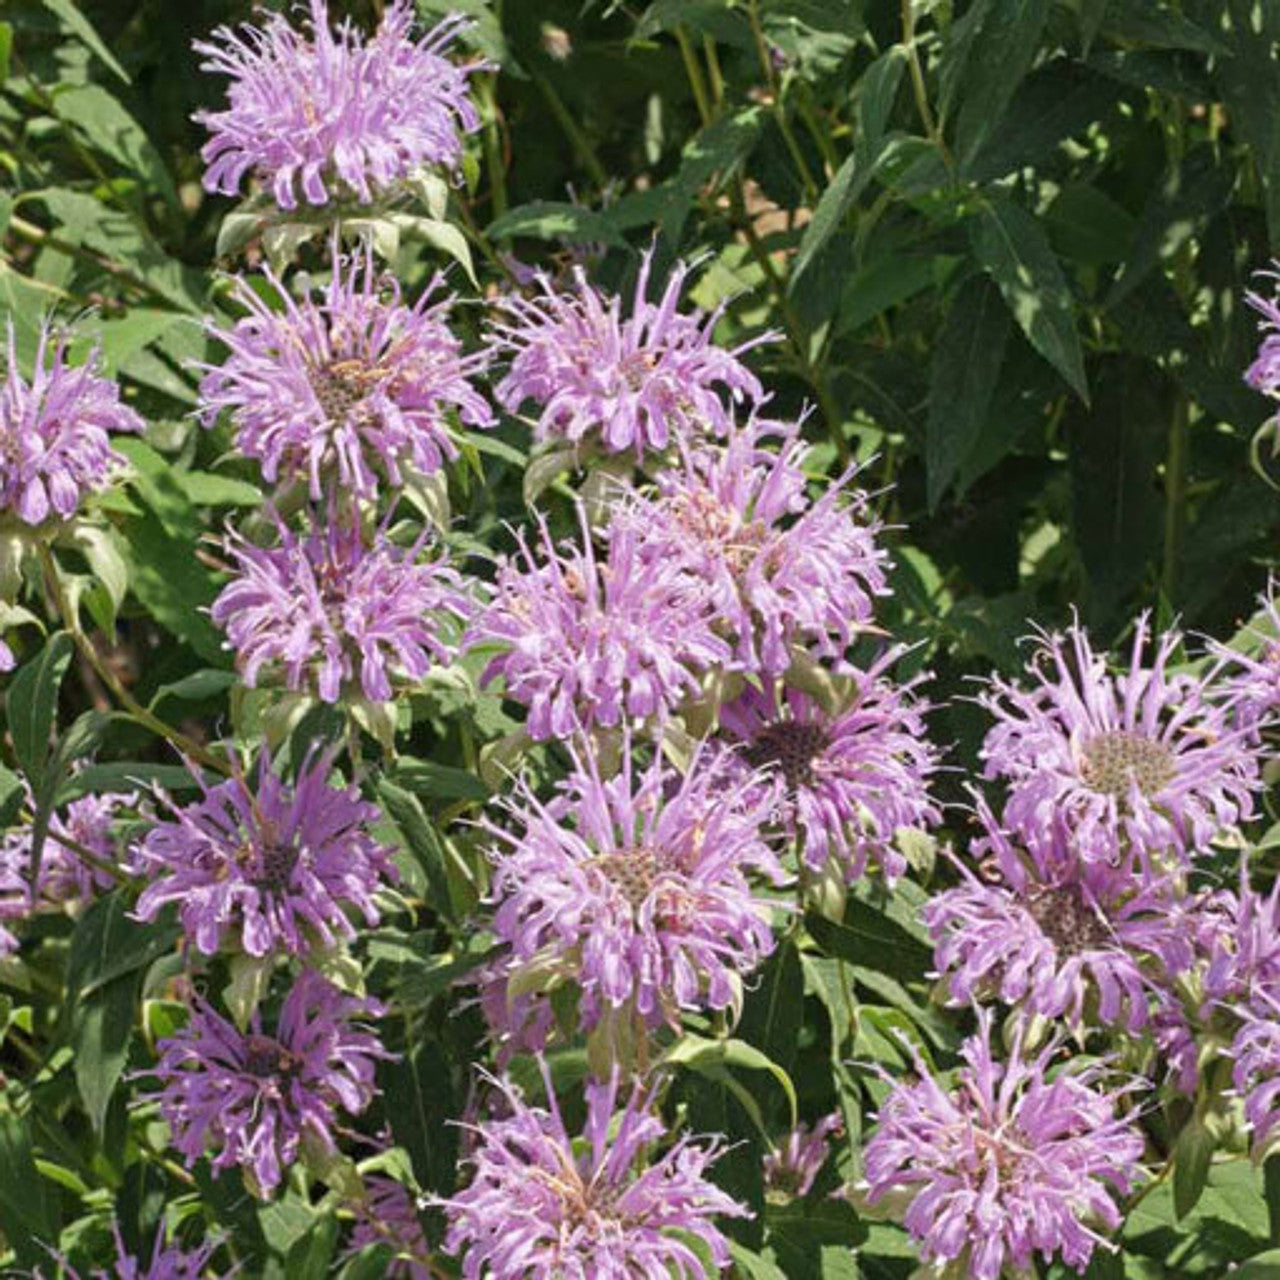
column 519, row 1020
column 1137, row 765
column 323, row 611
column 55, row 445
column 328, row 113
column 1250, row 681
column 1059, row 935
column 544, row 1206
column 167, row 1262
column 1238, row 936
column 586, row 641
column 630, row 382
column 389, row 1216
column 1256, row 1073
column 15, row 892
column 1264, row 373
column 66, row 879
column 277, row 866
column 783, row 572
column 1007, row 1164
column 636, row 887
column 251, row 1098
column 851, row 780
column 355, row 386
column 793, row 1167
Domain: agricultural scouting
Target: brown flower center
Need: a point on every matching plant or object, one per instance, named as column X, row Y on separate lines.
column 266, row 1058
column 1069, row 922
column 1115, row 761
column 791, row 747
column 632, row 873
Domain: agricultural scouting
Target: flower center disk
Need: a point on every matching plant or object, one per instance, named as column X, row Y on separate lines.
column 790, row 746
column 1115, row 761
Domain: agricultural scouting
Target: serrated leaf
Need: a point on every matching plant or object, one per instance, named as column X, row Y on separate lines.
column 1011, row 245
column 76, row 24
column 773, row 1014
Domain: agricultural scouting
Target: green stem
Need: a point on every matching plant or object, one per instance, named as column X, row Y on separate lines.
column 492, row 143
column 919, row 89
column 1175, row 498
column 577, row 139
column 694, row 73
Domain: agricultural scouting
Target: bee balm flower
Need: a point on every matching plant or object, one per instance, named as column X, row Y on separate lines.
column 329, row 114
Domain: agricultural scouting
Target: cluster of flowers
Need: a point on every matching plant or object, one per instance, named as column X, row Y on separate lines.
column 706, row 608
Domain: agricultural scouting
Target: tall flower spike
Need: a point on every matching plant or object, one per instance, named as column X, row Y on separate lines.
column 784, row 571
column 1007, row 1164
column 1061, row 936
column 625, row 383
column 323, row 612
column 277, row 866
column 849, row 781
column 253, row 1099
column 1139, row 764
column 586, row 642
column 636, row 888
column 542, row 1206
column 55, row 445
column 327, row 114
column 354, row 386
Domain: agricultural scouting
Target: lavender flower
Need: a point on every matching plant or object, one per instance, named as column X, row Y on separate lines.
column 636, row 888
column 851, row 780
column 793, row 1168
column 1264, row 373
column 168, row 1262
column 54, row 442
column 1255, row 1052
column 1052, row 932
column 1007, row 1164
column 389, row 1216
column 585, row 642
column 541, row 1206
column 328, row 113
column 276, row 866
column 1250, row 681
column 15, row 894
column 783, row 572
column 355, row 385
column 519, row 1020
column 623, row 383
column 255, row 1099
column 67, row 879
column 1140, row 764
column 321, row 610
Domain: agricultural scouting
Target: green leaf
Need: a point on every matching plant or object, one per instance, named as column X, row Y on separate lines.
column 871, row 940
column 1190, row 192
column 711, row 1056
column 1115, row 449
column 25, row 1210
column 1059, row 100
column 32, row 704
column 204, row 489
column 420, row 837
column 1004, row 45
column 968, row 355
column 1271, row 1188
column 433, row 781
column 1013, row 248
column 111, row 130
column 6, row 47
column 773, row 1015
column 418, row 1093
column 1262, row 1266
column 842, row 193
column 76, row 24
column 556, row 220
column 752, row 1265
column 1163, row 26
column 125, row 776
column 887, row 282
column 312, row 1253
column 1087, row 225
column 101, row 1029
column 1192, row 1156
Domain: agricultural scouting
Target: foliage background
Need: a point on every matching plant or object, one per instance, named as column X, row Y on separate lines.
column 1006, row 243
